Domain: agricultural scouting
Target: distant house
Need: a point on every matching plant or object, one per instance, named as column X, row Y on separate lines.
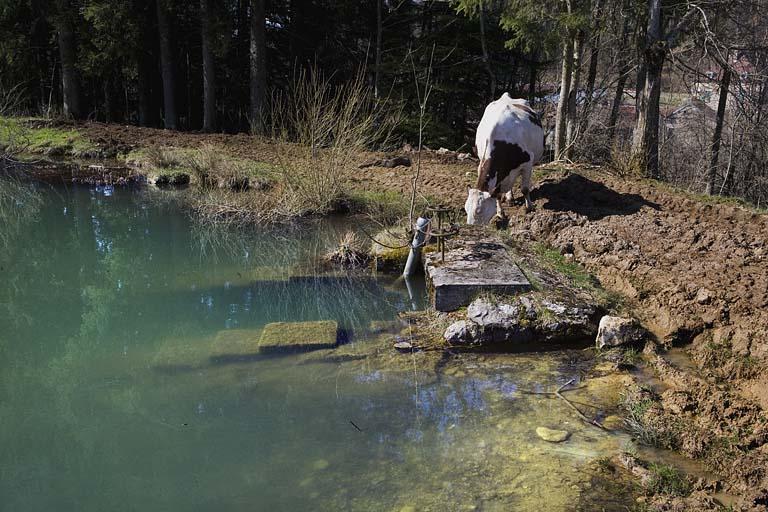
column 693, row 114
column 743, row 68
column 708, row 89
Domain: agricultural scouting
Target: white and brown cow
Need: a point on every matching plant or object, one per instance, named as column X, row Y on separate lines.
column 509, row 141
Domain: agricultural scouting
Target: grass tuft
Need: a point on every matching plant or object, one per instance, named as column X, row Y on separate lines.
column 643, row 423
column 161, row 157
column 665, row 479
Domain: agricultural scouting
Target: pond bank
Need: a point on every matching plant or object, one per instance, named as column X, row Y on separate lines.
column 693, row 271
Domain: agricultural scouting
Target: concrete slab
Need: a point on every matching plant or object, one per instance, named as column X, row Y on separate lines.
column 475, row 262
column 236, row 342
column 283, row 337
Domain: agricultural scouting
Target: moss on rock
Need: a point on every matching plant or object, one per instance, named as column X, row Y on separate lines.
column 298, row 336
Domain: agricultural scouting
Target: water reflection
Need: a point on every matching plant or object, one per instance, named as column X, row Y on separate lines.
column 133, row 383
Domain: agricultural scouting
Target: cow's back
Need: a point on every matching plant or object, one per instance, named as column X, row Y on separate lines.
column 511, row 121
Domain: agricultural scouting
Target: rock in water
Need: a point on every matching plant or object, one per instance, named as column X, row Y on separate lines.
column 403, row 346
column 457, row 333
column 615, row 331
column 298, row 336
column 494, row 316
column 552, row 436
column 320, row 464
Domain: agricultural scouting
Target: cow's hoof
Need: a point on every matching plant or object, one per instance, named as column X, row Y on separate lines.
column 500, row 222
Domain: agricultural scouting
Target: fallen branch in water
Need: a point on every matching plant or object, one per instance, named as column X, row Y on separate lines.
column 558, row 393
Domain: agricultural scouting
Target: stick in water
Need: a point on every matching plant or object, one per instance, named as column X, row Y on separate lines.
column 353, row 424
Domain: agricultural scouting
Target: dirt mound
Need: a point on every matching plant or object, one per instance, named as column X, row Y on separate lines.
column 696, row 274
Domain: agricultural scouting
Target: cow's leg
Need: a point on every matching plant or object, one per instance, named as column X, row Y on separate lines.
column 501, row 220
column 526, row 186
column 499, row 210
column 509, row 184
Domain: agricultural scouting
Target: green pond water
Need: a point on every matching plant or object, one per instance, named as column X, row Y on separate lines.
column 130, row 379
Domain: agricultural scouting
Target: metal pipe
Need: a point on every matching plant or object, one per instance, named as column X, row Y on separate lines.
column 419, row 240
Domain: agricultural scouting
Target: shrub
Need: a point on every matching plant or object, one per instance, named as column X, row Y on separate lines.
column 211, row 169
column 162, row 157
column 320, row 130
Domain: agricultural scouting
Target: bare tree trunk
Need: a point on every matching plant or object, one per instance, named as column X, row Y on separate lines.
column 594, row 55
column 209, row 72
column 571, row 124
column 562, row 103
column 109, row 102
column 534, row 67
column 144, row 72
column 68, row 53
column 640, row 46
column 622, row 82
column 725, row 83
column 645, row 145
column 167, row 66
column 258, row 66
column 486, row 59
column 377, row 65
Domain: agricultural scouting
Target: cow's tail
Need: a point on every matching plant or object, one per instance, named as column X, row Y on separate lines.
column 484, row 167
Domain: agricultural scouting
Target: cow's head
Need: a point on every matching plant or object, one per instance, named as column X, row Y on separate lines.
column 480, row 206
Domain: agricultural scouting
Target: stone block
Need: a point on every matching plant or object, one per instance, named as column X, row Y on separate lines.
column 236, row 342
column 474, row 263
column 298, row 336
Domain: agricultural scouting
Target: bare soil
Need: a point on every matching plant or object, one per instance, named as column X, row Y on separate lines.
column 694, row 272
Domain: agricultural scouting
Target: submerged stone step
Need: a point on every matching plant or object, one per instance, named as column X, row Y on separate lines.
column 298, row 336
column 475, row 262
column 236, row 342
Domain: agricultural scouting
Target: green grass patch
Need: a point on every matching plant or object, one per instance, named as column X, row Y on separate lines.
column 573, row 271
column 630, row 358
column 577, row 275
column 19, row 136
column 207, row 167
column 645, row 428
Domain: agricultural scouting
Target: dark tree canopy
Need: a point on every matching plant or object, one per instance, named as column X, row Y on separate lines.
column 624, row 67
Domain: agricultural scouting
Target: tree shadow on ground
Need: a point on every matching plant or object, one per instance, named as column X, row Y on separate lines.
column 589, row 198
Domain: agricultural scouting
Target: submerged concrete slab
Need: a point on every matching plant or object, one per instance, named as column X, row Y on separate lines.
column 236, row 341
column 475, row 262
column 298, row 336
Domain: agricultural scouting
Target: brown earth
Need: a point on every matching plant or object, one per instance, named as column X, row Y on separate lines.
column 694, row 272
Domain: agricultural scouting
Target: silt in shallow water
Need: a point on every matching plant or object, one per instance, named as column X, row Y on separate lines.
column 129, row 382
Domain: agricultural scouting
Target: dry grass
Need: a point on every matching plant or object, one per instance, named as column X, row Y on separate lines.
column 227, row 208
column 320, row 131
column 161, row 157
column 622, row 161
column 12, row 133
column 19, row 204
column 211, row 169
column 349, row 251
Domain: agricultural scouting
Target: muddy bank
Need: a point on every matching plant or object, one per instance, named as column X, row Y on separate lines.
column 696, row 274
